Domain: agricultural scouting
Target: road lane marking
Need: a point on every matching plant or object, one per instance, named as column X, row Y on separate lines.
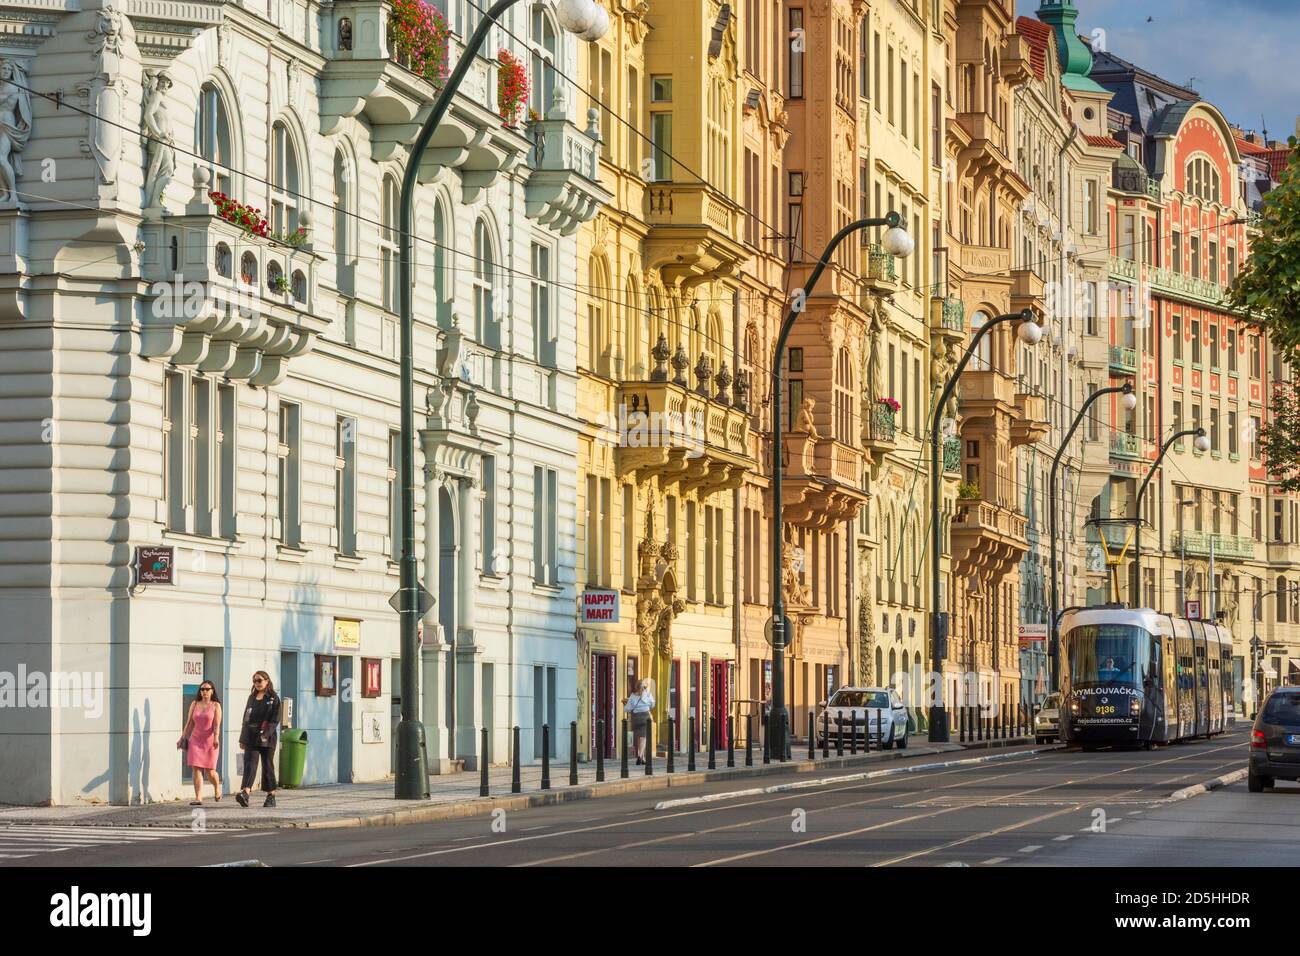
column 1063, row 837
column 994, row 860
column 1031, row 848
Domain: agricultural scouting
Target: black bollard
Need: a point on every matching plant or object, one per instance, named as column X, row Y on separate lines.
column 672, row 742
column 826, row 733
column 546, row 756
column 713, row 743
column 573, row 753
column 853, row 732
column 600, row 751
column 767, row 740
column 649, row 747
column 749, row 740
column 731, row 741
column 979, row 725
column 839, row 735
column 812, row 738
column 515, row 786
column 622, row 770
column 690, row 753
column 483, row 763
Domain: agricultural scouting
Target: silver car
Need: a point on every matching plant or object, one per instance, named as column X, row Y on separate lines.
column 1047, row 722
column 878, row 711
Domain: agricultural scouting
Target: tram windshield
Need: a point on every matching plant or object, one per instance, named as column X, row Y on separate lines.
column 1109, row 653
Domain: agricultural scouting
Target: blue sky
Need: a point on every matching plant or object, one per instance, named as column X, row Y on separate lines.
column 1243, row 53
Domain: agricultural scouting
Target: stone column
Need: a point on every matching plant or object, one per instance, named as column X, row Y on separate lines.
column 433, row 653
column 469, row 704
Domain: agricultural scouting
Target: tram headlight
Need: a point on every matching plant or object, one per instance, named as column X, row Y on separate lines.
column 1074, row 708
column 1135, row 705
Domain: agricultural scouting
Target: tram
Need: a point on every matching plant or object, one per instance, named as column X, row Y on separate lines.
column 1137, row 677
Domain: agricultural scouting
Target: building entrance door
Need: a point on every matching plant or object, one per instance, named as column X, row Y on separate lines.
column 604, row 669
column 720, row 699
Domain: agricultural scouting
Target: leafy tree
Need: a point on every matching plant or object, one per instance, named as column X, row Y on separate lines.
column 1268, row 290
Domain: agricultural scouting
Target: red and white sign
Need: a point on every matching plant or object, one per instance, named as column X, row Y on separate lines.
column 599, row 606
column 1192, row 611
column 1031, row 632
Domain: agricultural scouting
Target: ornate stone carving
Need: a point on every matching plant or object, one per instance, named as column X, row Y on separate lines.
column 15, row 127
column 162, row 154
column 703, row 373
column 740, row 391
column 105, row 95
column 680, row 364
column 660, row 353
column 803, row 421
column 723, row 380
column 866, row 627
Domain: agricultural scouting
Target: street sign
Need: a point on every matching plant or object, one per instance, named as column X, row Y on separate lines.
column 1192, row 610
column 424, row 600
column 599, row 606
column 155, row 565
column 767, row 631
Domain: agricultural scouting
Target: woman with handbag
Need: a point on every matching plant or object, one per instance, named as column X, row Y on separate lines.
column 639, row 706
column 201, row 739
column 261, row 730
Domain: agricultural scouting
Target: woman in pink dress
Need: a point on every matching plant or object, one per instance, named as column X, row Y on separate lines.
column 203, row 730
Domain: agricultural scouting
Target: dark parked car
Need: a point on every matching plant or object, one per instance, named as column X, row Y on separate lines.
column 1275, row 740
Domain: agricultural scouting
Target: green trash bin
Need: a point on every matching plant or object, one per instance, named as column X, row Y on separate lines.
column 293, row 757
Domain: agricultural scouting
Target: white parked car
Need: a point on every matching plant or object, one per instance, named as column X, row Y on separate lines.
column 877, row 711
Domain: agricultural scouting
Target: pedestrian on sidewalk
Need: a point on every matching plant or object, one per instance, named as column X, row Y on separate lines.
column 201, row 740
column 261, row 730
column 639, row 706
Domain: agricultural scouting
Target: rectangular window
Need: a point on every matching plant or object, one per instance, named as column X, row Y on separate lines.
column 395, row 495
column 201, row 463
column 936, row 126
column 1194, row 259
column 1177, row 245
column 918, row 418
column 797, row 40
column 903, row 392
column 718, row 552
column 1090, row 207
column 633, row 136
column 629, row 538
column 1213, row 331
column 1232, row 265
column 227, row 460
column 175, row 439
column 1214, row 261
column 488, row 515
column 916, row 111
column 661, row 137
column 864, row 46
column 875, row 59
column 1178, row 338
column 1196, row 341
column 1257, row 519
column 545, row 514
column 288, row 479
column 1231, row 346
column 1232, row 432
column 890, row 78
column 543, row 336
column 1214, row 430
column 690, row 546
column 1093, row 425
column 1278, row 520
column 345, row 484
column 1178, row 414
column 1255, row 426
column 1090, row 307
column 1255, row 356
column 902, row 96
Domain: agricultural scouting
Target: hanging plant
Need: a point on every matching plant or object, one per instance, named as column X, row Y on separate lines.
column 512, row 86
column 890, row 403
column 236, row 213
column 417, row 37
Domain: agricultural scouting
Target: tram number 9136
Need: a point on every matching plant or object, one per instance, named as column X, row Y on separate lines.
column 1103, row 709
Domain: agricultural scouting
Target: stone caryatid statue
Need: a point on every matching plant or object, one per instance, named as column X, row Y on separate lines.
column 15, row 127
column 160, row 148
column 107, row 39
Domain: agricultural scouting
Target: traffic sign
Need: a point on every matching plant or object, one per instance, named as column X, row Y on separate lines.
column 1192, row 610
column 767, row 630
column 424, row 600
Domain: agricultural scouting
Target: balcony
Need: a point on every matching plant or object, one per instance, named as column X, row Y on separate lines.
column 563, row 189
column 1186, row 288
column 1126, row 269
column 1130, row 180
column 1230, row 547
column 1126, row 446
column 822, row 485
column 362, row 77
column 690, row 440
column 986, row 537
column 952, row 455
column 879, row 272
column 692, row 237
column 1123, row 361
column 1027, row 291
column 223, row 302
column 984, row 131
column 1030, row 424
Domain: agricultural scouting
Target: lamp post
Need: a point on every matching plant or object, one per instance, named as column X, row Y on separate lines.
column 1202, row 444
column 590, row 21
column 1029, row 332
column 1129, row 401
column 896, row 242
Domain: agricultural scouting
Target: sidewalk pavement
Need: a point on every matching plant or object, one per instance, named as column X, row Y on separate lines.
column 457, row 795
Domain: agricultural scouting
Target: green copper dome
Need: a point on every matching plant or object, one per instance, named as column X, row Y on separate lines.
column 1074, row 55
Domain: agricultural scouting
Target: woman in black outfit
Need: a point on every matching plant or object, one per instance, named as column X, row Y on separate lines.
column 257, row 738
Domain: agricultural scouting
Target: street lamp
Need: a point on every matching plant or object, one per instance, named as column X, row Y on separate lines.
column 411, row 773
column 896, row 242
column 1202, row 443
column 1028, row 332
column 1129, row 401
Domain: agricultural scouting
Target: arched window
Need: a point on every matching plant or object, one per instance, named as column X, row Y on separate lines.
column 284, row 181
column 713, row 344
column 388, row 243
column 487, row 328
column 982, row 360
column 343, row 222
column 212, row 136
column 887, row 680
column 880, row 665
column 442, row 286
column 844, row 397
column 542, row 45
column 598, row 345
column 640, row 333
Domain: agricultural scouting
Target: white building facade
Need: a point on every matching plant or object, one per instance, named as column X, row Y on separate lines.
column 169, row 380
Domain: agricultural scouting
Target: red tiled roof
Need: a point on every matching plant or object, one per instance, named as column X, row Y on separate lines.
column 1103, row 141
column 1251, row 148
column 1041, row 38
column 1277, row 162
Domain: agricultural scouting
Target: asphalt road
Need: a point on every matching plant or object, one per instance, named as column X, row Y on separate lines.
column 1058, row 808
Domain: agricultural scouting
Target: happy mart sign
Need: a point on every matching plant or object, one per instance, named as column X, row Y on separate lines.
column 599, row 606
